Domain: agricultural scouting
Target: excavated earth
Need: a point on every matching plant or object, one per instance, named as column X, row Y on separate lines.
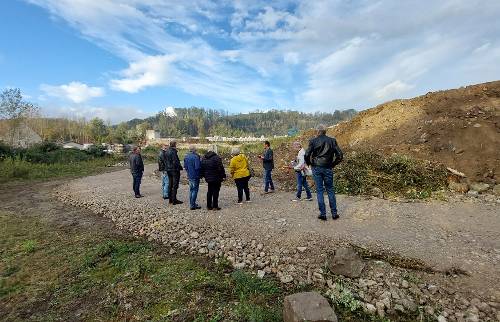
column 440, row 256
column 459, row 128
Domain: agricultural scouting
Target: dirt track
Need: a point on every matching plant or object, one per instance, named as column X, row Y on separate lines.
column 444, row 235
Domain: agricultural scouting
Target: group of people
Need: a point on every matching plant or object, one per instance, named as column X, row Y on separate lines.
column 318, row 161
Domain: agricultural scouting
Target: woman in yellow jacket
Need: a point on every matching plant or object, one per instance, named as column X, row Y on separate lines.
column 240, row 171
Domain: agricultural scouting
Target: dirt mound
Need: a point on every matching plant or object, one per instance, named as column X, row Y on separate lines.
column 459, row 128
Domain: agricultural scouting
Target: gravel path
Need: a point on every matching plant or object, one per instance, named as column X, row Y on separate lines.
column 461, row 235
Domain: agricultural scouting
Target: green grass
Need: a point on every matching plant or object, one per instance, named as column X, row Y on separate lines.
column 15, row 169
column 47, row 274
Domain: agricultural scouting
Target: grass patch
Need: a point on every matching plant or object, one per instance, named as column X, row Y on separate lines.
column 73, row 275
column 16, row 169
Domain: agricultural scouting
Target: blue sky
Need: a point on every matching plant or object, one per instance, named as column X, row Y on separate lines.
column 131, row 58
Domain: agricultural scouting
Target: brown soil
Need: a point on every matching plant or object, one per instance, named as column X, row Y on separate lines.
column 459, row 128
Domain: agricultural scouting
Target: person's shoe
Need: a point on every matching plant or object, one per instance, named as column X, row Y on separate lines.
column 296, row 199
column 165, row 198
column 217, row 208
column 335, row 217
column 309, row 199
column 138, row 196
column 195, row 208
column 322, row 217
column 271, row 191
column 178, row 202
column 248, row 201
column 210, row 208
column 239, row 202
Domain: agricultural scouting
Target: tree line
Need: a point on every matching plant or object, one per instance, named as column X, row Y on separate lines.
column 192, row 121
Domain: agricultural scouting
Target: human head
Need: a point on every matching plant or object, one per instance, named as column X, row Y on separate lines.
column 192, row 149
column 136, row 149
column 173, row 144
column 267, row 144
column 296, row 145
column 235, row 150
column 164, row 146
column 321, row 129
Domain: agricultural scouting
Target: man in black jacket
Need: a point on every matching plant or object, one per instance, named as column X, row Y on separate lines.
column 136, row 169
column 173, row 168
column 324, row 154
column 213, row 171
column 268, row 164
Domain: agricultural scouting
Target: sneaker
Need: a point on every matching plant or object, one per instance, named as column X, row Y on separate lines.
column 322, row 217
column 248, row 201
column 296, row 199
column 239, row 203
column 309, row 199
column 335, row 217
column 139, row 196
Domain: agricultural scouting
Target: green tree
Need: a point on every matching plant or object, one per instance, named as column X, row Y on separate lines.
column 97, row 130
column 15, row 109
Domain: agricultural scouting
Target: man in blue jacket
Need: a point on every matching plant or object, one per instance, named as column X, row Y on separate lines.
column 192, row 165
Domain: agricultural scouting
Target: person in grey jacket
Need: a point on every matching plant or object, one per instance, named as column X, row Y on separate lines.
column 136, row 169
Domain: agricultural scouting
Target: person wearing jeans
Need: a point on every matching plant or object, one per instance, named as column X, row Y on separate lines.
column 268, row 165
column 164, row 174
column 300, row 168
column 323, row 177
column 324, row 154
column 192, row 165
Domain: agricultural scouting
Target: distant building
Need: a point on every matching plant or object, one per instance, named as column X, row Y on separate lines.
column 21, row 137
column 152, row 135
column 73, row 145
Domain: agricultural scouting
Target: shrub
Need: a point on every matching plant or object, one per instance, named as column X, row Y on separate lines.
column 5, row 151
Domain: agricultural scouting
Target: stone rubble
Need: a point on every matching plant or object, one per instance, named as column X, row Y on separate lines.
column 381, row 288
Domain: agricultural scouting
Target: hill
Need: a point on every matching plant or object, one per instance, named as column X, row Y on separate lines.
column 459, row 128
column 195, row 121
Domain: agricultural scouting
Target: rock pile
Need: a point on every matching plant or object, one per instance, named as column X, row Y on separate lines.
column 374, row 286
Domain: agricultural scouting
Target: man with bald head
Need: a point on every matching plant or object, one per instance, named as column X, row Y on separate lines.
column 323, row 155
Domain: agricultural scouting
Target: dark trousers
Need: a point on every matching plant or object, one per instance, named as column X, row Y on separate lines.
column 173, row 180
column 268, row 180
column 242, row 185
column 213, row 194
column 136, row 183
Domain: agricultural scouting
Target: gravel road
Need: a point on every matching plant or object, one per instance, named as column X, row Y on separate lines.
column 447, row 236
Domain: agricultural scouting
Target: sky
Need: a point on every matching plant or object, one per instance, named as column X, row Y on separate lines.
column 121, row 59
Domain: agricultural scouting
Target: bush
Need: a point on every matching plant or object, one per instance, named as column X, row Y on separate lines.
column 5, row 151
column 397, row 174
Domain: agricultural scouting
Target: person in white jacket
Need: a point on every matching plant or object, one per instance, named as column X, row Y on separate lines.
column 301, row 172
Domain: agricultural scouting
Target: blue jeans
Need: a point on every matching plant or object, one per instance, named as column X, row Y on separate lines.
column 164, row 185
column 302, row 183
column 194, row 186
column 136, row 183
column 323, row 177
column 268, row 180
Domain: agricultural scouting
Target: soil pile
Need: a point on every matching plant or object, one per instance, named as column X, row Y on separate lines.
column 459, row 128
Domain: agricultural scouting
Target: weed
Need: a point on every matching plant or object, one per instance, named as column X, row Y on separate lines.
column 29, row 246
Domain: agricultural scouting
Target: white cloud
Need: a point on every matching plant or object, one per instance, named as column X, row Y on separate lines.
column 150, row 71
column 393, row 89
column 113, row 114
column 75, row 91
column 315, row 54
